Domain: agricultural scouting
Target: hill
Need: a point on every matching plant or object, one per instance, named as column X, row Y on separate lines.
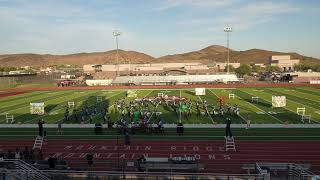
column 214, row 53
column 219, row 54
column 109, row 57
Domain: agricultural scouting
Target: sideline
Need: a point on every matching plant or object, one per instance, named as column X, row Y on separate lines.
column 165, row 86
column 286, row 126
column 162, row 137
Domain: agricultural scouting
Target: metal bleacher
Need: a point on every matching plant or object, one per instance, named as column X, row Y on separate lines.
column 139, row 80
column 292, row 171
column 20, row 170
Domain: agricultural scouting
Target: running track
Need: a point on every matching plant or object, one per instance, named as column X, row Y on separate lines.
column 251, row 85
column 210, row 153
column 5, row 94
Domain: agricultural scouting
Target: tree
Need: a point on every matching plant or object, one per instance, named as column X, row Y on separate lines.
column 257, row 69
column 270, row 68
column 305, row 67
column 244, row 69
column 7, row 69
column 231, row 68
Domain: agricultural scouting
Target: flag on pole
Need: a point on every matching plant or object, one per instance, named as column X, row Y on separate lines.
column 183, row 108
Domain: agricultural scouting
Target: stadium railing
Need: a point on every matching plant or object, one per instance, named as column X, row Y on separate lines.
column 149, row 175
column 168, row 125
column 22, row 169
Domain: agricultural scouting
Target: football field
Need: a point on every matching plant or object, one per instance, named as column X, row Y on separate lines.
column 261, row 112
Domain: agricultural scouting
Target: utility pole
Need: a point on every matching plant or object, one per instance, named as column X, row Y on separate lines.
column 228, row 29
column 117, row 33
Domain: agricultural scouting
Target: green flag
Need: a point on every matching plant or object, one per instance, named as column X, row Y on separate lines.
column 136, row 116
column 183, row 108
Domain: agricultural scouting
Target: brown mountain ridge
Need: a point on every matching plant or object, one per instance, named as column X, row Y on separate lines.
column 214, row 53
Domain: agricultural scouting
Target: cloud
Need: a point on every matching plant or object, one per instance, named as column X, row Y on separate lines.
column 47, row 10
column 264, row 8
column 49, row 27
column 168, row 4
column 257, row 13
column 242, row 16
column 69, row 26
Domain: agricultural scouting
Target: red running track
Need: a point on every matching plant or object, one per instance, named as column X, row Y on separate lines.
column 5, row 94
column 210, row 153
column 256, row 85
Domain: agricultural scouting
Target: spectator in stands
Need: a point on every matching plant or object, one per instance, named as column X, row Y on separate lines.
column 1, row 159
column 228, row 129
column 26, row 153
column 52, row 161
column 18, row 154
column 31, row 155
column 90, row 159
column 1, row 156
column 40, row 155
column 10, row 155
column 40, row 127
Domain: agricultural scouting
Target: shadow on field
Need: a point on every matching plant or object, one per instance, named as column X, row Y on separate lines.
column 260, row 103
column 189, row 92
column 50, row 107
column 248, row 97
column 92, row 110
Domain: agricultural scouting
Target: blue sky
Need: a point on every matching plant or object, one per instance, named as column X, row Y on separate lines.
column 158, row 27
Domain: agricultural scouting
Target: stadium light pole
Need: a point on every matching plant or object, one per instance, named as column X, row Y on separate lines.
column 116, row 34
column 228, row 29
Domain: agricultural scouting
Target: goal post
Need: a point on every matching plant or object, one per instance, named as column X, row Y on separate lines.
column 9, row 118
column 232, row 96
column 255, row 99
column 306, row 118
column 301, row 111
column 71, row 104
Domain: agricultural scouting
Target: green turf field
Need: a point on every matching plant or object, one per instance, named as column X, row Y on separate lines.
column 261, row 113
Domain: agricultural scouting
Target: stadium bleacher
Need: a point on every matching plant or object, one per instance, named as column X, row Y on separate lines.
column 179, row 79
